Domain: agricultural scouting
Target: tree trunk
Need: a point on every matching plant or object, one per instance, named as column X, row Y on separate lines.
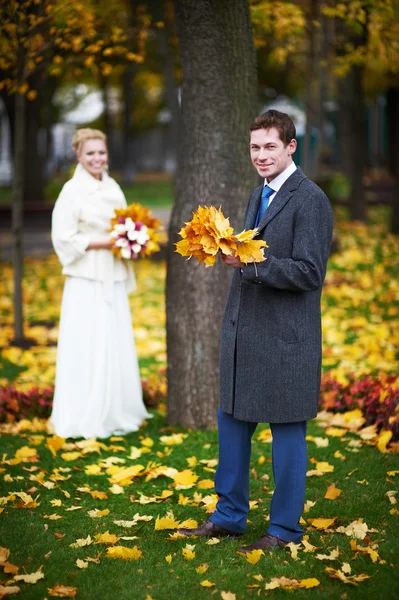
column 393, row 153
column 353, row 139
column 17, row 216
column 218, row 104
column 128, row 157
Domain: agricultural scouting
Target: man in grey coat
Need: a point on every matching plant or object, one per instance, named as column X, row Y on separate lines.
column 270, row 363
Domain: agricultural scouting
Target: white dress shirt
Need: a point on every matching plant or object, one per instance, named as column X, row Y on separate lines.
column 82, row 214
column 278, row 181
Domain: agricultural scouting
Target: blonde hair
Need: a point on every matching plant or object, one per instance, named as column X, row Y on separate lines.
column 82, row 135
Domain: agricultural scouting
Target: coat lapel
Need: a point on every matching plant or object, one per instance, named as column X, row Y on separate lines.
column 281, row 198
column 253, row 206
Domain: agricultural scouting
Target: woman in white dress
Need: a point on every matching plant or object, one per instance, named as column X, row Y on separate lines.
column 98, row 389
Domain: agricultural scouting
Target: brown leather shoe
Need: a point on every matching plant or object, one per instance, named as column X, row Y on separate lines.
column 267, row 542
column 208, row 529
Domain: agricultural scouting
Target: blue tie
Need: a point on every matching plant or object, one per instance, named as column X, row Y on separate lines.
column 264, row 203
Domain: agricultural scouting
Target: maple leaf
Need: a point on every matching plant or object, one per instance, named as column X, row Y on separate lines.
column 9, row 568
column 98, row 495
column 166, row 523
column 253, row 557
column 201, row 569
column 186, row 479
column 356, row 529
column 213, row 541
column 106, row 538
column 322, row 523
column 123, row 553
column 30, row 578
column 332, row 556
column 332, row 492
column 81, row 564
column 227, row 596
column 8, row 590
column 205, row 484
column 168, row 558
column 189, row 524
column 293, row 548
column 383, row 440
column 207, row 583
column 188, row 553
column 4, row 554
column 63, row 591
column 71, row 456
column 55, row 443
column 309, row 583
column 96, row 513
column 81, row 542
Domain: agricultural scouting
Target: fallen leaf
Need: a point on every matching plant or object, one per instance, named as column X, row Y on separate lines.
column 30, row 578
column 123, row 553
column 202, row 568
column 207, row 583
column 332, row 492
column 63, row 591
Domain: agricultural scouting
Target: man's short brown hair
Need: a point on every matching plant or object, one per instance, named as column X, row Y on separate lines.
column 280, row 121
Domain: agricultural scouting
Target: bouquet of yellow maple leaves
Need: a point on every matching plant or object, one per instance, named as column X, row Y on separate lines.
column 135, row 232
column 209, row 232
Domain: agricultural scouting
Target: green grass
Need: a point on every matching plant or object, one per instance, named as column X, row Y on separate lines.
column 30, row 536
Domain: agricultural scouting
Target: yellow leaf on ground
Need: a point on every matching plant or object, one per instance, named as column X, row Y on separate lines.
column 9, row 568
column 332, row 492
column 128, row 473
column 81, row 564
column 174, row 439
column 332, row 556
column 168, row 558
column 98, row 495
column 185, row 479
column 356, row 529
column 192, row 461
column 4, row 554
column 123, row 553
column 96, row 513
column 106, row 538
column 30, row 578
column 383, row 440
column 81, row 542
column 93, row 470
column 189, row 524
column 202, row 568
column 293, row 548
column 205, row 484
column 166, row 523
column 55, row 443
column 63, row 591
column 25, row 452
column 116, row 489
column 213, row 541
column 207, row 583
column 309, row 583
column 227, row 596
column 322, row 523
column 254, row 556
column 188, row 553
column 8, row 590
column 71, row 456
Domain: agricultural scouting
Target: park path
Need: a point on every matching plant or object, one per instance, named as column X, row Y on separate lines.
column 37, row 243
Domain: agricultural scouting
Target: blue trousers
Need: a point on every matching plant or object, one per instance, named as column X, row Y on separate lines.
column 289, row 462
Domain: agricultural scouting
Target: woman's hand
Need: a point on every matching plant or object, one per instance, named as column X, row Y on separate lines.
column 100, row 245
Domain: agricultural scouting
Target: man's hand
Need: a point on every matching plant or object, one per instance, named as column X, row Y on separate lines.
column 232, row 261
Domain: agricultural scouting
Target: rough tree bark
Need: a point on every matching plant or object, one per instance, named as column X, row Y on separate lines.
column 17, row 217
column 393, row 152
column 218, row 104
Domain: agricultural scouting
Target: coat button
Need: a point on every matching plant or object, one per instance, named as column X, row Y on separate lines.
column 233, row 322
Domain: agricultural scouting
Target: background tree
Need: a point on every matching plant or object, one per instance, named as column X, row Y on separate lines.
column 219, row 100
column 39, row 39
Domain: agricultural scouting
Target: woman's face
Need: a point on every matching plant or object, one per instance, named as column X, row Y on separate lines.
column 94, row 157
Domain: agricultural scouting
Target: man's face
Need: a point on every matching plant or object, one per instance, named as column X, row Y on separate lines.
column 268, row 154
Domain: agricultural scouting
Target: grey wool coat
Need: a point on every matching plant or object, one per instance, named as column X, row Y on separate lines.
column 270, row 363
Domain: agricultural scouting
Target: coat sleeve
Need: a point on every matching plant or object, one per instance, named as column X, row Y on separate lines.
column 68, row 242
column 305, row 270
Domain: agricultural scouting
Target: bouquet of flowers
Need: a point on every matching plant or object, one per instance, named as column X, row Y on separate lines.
column 209, row 232
column 135, row 232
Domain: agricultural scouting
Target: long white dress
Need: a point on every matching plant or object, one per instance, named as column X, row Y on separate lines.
column 98, row 389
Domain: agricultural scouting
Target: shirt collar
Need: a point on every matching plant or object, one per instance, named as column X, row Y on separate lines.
column 91, row 182
column 278, row 181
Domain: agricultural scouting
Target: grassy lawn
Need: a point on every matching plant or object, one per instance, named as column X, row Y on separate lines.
column 40, row 537
column 171, row 475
